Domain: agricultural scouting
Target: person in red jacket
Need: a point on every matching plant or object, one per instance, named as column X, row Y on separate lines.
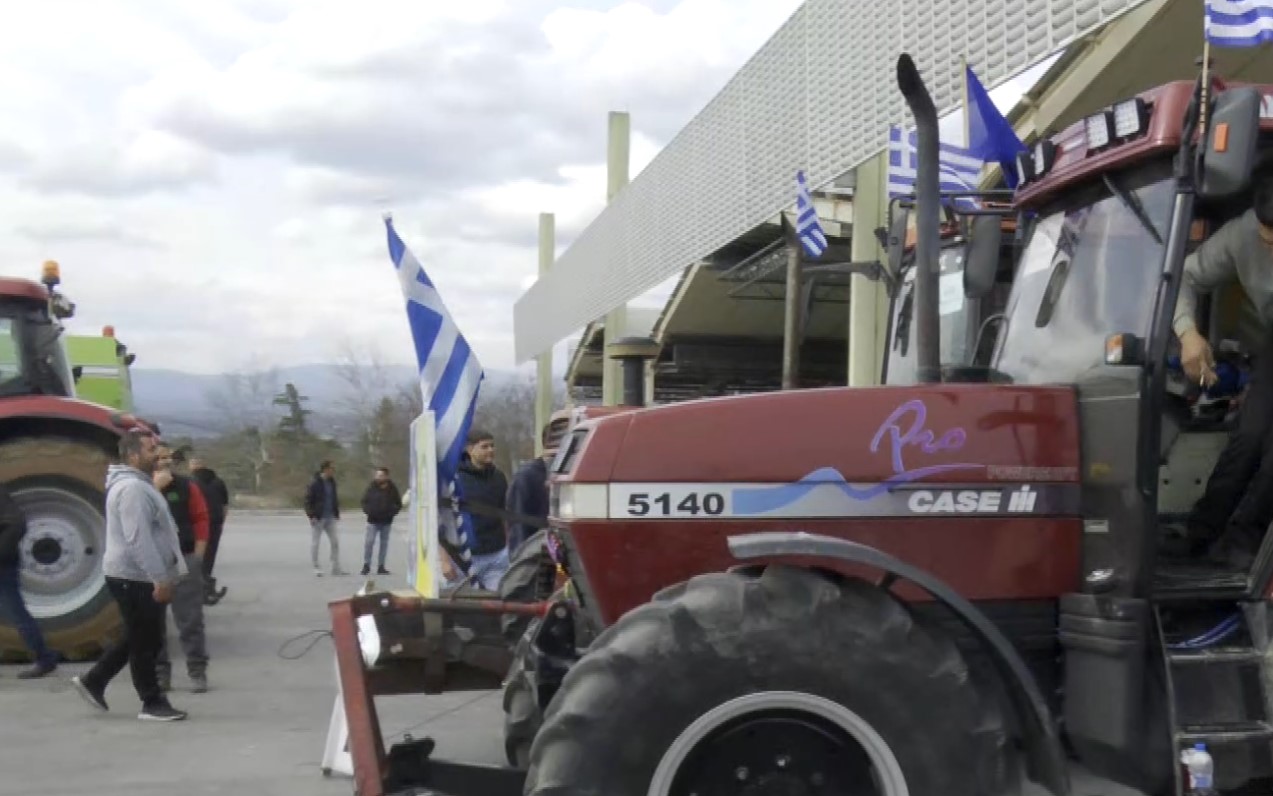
column 190, row 511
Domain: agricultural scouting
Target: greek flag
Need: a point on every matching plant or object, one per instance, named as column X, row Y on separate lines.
column 1239, row 23
column 960, row 169
column 812, row 238
column 450, row 376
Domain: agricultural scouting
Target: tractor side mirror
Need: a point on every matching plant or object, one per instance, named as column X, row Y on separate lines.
column 897, row 242
column 77, row 372
column 981, row 260
column 1232, row 133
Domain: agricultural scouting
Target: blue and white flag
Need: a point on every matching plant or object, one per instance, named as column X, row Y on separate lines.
column 450, row 377
column 960, row 170
column 812, row 238
column 990, row 135
column 1239, row 23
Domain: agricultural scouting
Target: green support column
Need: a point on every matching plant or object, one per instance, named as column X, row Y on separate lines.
column 544, row 362
column 868, row 300
column 618, row 151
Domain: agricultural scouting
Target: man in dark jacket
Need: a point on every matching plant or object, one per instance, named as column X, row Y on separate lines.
column 381, row 503
column 13, row 526
column 217, row 495
column 189, row 511
column 481, row 482
column 528, row 494
column 322, row 506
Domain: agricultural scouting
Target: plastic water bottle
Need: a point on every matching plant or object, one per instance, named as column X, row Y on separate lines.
column 1201, row 770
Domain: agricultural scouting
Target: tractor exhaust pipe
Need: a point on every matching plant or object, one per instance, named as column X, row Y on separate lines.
column 633, row 353
column 927, row 221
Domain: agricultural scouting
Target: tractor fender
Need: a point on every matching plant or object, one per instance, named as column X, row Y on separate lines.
column 48, row 416
column 1043, row 744
column 45, row 415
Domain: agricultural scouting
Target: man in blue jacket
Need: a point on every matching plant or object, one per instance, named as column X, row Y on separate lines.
column 322, row 506
column 528, row 494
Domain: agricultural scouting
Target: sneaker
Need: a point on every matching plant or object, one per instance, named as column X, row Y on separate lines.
column 366, row 570
column 161, row 713
column 94, row 698
column 39, row 670
column 318, row 573
column 199, row 683
column 383, row 571
column 337, row 572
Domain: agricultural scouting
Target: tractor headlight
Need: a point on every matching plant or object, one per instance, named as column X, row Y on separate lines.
column 1044, row 157
column 571, row 501
column 1100, row 129
column 1131, row 118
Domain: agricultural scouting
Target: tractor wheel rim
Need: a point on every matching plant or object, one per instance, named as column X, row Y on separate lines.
column 61, row 551
column 780, row 770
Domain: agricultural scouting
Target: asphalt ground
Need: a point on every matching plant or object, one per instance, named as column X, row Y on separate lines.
column 262, row 727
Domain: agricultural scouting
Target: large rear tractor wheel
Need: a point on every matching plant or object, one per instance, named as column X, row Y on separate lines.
column 771, row 682
column 59, row 483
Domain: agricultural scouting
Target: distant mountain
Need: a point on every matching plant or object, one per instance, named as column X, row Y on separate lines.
column 184, row 404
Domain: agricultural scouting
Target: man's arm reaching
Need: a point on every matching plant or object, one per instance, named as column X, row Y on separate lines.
column 1213, row 264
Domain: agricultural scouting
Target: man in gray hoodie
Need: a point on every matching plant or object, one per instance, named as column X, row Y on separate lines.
column 142, row 562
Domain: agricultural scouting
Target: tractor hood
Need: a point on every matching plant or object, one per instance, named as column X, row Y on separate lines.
column 854, row 447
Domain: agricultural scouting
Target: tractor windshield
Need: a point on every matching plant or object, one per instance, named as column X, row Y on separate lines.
column 33, row 357
column 954, row 309
column 1090, row 269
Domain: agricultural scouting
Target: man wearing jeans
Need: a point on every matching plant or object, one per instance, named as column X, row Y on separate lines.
column 482, row 483
column 190, row 512
column 142, row 563
column 13, row 526
column 322, row 506
column 381, row 503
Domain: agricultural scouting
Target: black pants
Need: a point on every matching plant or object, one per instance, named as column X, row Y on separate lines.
column 210, row 555
column 143, row 634
column 1239, row 494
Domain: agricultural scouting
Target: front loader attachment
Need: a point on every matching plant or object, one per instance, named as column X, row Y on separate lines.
column 395, row 643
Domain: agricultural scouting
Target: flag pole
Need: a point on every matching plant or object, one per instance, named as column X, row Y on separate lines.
column 1206, row 76
column 963, row 82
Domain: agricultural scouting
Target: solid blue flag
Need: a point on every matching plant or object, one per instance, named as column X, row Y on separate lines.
column 990, row 136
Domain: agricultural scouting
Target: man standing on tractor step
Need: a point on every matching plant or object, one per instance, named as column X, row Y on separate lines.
column 322, row 506
column 481, row 482
column 142, row 563
column 13, row 526
column 190, row 513
column 217, row 496
column 381, row 503
column 1237, row 505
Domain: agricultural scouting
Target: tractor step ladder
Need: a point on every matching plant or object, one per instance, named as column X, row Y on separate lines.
column 1216, row 689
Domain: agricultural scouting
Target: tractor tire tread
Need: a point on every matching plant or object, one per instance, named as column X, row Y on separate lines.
column 724, row 634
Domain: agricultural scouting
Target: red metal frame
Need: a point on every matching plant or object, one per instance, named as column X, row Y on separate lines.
column 359, row 685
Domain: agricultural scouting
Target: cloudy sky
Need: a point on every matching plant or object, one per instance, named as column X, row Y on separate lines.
column 211, row 176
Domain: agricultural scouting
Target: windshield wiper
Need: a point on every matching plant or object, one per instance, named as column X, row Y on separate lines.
column 1132, row 203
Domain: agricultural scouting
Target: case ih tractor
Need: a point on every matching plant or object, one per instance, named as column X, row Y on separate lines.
column 951, row 588
column 54, row 450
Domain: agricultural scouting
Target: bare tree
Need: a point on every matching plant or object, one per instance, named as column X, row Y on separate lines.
column 245, row 398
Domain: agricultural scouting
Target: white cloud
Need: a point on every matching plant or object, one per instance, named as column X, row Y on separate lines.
column 211, row 176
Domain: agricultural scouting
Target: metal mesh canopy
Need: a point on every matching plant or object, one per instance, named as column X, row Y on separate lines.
column 820, row 95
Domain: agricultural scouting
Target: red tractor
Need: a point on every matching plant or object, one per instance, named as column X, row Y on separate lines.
column 54, row 451
column 953, row 588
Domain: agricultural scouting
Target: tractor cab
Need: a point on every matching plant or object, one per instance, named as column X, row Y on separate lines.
column 33, row 358
column 967, row 321
column 1106, row 232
